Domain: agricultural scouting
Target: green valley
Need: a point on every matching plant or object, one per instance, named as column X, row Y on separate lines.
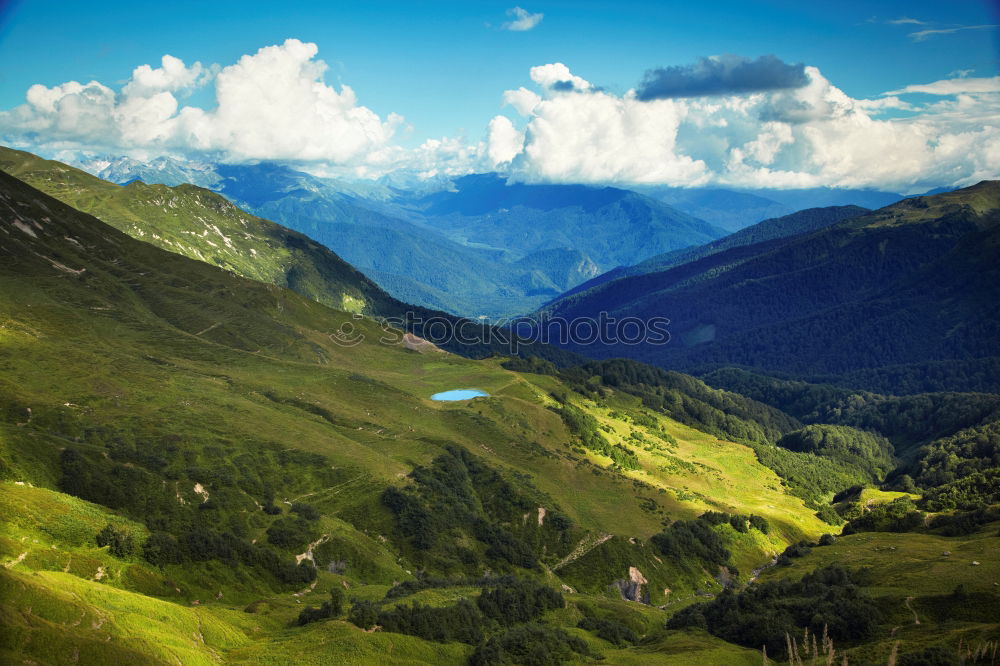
column 213, row 408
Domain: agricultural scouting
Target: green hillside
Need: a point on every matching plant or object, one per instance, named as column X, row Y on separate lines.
column 189, row 461
column 202, row 225
column 928, row 590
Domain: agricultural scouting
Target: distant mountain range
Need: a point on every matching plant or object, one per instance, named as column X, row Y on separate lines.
column 478, row 245
column 727, row 209
column 474, row 246
column 908, row 285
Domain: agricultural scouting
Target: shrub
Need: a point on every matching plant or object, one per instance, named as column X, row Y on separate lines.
column 162, row 549
column 899, row 515
column 290, row 573
column 586, row 428
column 760, row 523
column 529, row 645
column 976, row 490
column 289, row 532
column 459, row 622
column 800, row 549
column 612, row 631
column 305, row 511
column 687, row 539
column 332, row 608
column 458, row 494
column 963, row 523
column 829, row 515
column 932, row 656
column 363, row 614
column 119, row 542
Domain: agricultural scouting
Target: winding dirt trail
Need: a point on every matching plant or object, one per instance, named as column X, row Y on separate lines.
column 16, row 561
column 916, row 620
column 586, row 545
column 755, row 574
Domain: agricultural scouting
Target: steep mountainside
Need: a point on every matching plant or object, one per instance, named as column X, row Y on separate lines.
column 912, row 283
column 800, row 222
column 202, row 225
column 387, row 242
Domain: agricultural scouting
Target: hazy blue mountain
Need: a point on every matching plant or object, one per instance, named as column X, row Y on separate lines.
column 735, row 209
column 728, row 209
column 938, row 190
column 821, row 197
column 609, row 225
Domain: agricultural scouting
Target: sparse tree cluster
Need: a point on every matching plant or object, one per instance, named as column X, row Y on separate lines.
column 459, row 494
column 826, row 600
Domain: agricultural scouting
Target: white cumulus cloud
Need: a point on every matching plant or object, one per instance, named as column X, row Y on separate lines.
column 504, row 141
column 592, row 136
column 815, row 135
column 522, row 99
column 172, row 75
column 557, row 77
column 273, row 104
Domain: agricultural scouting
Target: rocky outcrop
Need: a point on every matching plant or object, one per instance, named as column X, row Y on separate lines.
column 631, row 589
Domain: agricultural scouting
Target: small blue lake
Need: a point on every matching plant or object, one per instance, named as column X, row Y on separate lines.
column 460, row 394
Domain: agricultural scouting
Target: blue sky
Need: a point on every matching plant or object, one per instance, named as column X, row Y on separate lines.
column 444, row 67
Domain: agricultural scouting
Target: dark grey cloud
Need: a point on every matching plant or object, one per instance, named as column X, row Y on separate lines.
column 721, row 75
